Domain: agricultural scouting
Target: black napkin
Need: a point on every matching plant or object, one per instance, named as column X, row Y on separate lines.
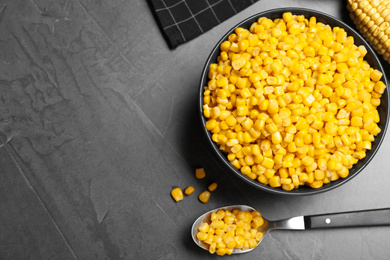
column 183, row 20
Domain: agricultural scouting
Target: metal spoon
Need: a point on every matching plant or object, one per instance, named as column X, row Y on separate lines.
column 374, row 217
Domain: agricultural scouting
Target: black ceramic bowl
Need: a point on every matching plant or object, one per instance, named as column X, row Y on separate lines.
column 370, row 57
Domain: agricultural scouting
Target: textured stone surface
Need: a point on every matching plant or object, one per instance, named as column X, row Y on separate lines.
column 99, row 121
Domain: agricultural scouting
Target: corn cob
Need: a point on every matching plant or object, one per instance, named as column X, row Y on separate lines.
column 372, row 18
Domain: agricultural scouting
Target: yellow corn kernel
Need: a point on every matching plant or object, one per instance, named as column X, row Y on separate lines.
column 275, row 182
column 342, row 68
column 345, row 139
column 221, row 251
column 246, row 170
column 245, row 93
column 212, row 248
column 267, row 163
column 247, row 150
column 331, row 165
column 225, row 46
column 273, row 106
column 309, row 51
column 272, row 80
column 234, row 46
column 220, row 215
column 304, row 92
column 242, row 83
column 243, row 44
column 316, row 184
column 215, row 112
column 200, row 173
column 380, row 87
column 357, row 121
column 292, row 147
column 211, row 124
column 317, row 124
column 230, row 121
column 307, row 161
column 204, row 228
column 288, row 187
column 204, row 196
column 302, row 124
column 254, row 78
column 287, row 17
column 189, row 190
column 271, row 127
column 312, row 167
column 343, row 172
column 242, row 111
column 177, row 194
column 285, row 181
column 375, row 75
column 202, row 236
column 247, row 123
column 221, row 82
column 252, row 242
column 278, row 159
column 212, row 186
column 296, row 162
column 276, row 138
column 294, row 28
column 326, row 91
column 247, row 137
column 257, row 222
column 276, row 67
column 295, row 180
column 375, row 102
column 319, row 175
column 331, row 128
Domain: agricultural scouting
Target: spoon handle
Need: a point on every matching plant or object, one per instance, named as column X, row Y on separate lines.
column 375, row 217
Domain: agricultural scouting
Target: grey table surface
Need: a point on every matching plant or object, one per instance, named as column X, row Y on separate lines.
column 99, row 121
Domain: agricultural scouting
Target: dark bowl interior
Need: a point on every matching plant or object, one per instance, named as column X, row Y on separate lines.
column 370, row 57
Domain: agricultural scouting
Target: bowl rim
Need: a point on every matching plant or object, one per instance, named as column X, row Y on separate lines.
column 319, row 15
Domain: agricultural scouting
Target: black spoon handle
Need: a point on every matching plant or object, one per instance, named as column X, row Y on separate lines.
column 375, row 217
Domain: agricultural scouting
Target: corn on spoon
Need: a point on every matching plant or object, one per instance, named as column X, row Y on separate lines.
column 374, row 217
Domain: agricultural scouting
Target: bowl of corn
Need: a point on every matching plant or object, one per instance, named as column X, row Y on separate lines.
column 294, row 101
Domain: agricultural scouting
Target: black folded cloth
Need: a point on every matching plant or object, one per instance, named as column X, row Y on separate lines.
column 183, row 20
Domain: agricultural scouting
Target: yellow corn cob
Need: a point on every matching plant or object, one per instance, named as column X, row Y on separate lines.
column 372, row 18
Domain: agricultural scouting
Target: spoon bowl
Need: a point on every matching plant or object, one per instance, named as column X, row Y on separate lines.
column 372, row 217
column 205, row 218
column 293, row 223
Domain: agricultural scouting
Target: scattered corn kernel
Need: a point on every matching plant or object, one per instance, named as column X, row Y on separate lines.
column 204, row 196
column 189, row 190
column 212, row 186
column 177, row 194
column 200, row 173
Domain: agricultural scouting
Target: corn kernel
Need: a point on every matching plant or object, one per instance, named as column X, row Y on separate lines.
column 204, row 196
column 177, row 194
column 212, row 186
column 200, row 173
column 242, row 111
column 379, row 87
column 267, row 163
column 375, row 75
column 189, row 190
column 357, row 121
column 342, row 68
